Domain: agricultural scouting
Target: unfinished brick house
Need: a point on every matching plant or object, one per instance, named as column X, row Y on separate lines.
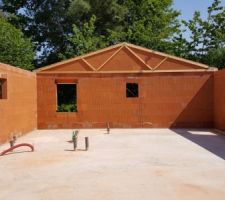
column 121, row 86
column 126, row 86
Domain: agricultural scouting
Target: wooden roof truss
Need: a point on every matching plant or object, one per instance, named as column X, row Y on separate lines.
column 117, row 49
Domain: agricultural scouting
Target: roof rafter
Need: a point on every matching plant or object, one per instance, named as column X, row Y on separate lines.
column 88, row 64
column 78, row 57
column 160, row 63
column 115, row 49
column 133, row 53
column 167, row 55
column 110, row 58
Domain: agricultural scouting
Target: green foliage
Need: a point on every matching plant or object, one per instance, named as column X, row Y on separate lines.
column 207, row 36
column 15, row 49
column 50, row 22
column 61, row 29
column 78, row 9
column 64, row 28
column 109, row 13
column 84, row 40
column 216, row 58
column 67, row 108
column 151, row 24
column 46, row 22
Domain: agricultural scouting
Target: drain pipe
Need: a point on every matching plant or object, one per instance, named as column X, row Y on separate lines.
column 86, row 143
column 12, row 141
column 108, row 128
column 74, row 139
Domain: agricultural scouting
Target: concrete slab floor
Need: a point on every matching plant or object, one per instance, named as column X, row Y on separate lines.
column 127, row 164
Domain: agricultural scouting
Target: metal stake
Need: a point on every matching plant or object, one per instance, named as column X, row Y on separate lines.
column 86, row 143
column 108, row 128
column 74, row 139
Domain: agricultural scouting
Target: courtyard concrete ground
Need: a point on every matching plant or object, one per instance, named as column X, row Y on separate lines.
column 127, row 164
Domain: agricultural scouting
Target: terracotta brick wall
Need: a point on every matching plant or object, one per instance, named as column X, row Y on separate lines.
column 18, row 112
column 219, row 100
column 182, row 99
column 165, row 100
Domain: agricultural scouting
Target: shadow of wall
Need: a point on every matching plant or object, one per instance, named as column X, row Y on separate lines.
column 210, row 141
column 198, row 112
column 219, row 100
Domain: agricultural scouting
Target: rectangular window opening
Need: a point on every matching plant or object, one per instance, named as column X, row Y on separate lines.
column 132, row 90
column 66, row 98
column 3, row 89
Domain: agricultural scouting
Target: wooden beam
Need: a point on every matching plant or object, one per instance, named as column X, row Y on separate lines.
column 110, row 58
column 121, row 72
column 169, row 56
column 160, row 63
column 133, row 53
column 88, row 64
column 78, row 57
column 203, row 66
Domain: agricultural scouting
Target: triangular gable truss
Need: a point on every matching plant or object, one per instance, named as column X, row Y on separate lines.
column 99, row 61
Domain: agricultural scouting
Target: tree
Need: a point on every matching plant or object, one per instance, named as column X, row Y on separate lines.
column 84, row 40
column 15, row 49
column 54, row 24
column 45, row 22
column 216, row 58
column 151, row 24
column 207, row 37
column 50, row 22
column 110, row 14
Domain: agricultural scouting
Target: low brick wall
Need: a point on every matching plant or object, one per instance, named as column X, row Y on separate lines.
column 18, row 111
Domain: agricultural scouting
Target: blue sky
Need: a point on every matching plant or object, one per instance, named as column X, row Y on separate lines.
column 187, row 7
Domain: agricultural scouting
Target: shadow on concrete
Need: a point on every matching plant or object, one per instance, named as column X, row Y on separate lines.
column 76, row 150
column 214, row 143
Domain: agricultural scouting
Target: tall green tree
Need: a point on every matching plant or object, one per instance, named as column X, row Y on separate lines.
column 83, row 40
column 151, row 24
column 216, row 58
column 59, row 28
column 207, row 37
column 50, row 22
column 45, row 22
column 110, row 14
column 15, row 49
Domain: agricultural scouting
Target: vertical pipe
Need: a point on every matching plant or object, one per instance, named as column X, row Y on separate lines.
column 11, row 143
column 75, row 144
column 108, row 128
column 86, row 143
column 74, row 139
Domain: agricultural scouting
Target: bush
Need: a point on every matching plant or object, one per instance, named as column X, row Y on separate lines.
column 67, row 108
